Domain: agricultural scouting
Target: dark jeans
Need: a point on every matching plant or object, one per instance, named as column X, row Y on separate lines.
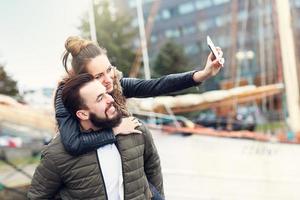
column 155, row 193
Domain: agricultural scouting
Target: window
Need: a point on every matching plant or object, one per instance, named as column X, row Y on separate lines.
column 205, row 25
column 242, row 15
column 201, row 4
column 153, row 38
column 186, row 8
column 218, row 2
column 191, row 49
column 172, row 33
column 222, row 20
column 146, row 1
column 165, row 14
column 132, row 3
column 188, row 30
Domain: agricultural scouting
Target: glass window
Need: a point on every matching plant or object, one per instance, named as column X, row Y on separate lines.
column 201, row 4
column 132, row 3
column 205, row 25
column 188, row 30
column 186, row 8
column 222, row 20
column 242, row 15
column 191, row 49
column 218, row 2
column 165, row 14
column 172, row 33
column 146, row 1
column 153, row 38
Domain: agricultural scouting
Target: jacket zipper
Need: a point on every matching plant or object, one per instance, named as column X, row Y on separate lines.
column 117, row 145
column 102, row 175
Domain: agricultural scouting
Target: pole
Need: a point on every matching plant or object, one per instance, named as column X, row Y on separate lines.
column 289, row 64
column 92, row 21
column 143, row 39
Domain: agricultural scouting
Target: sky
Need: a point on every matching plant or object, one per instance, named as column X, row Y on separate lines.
column 33, row 33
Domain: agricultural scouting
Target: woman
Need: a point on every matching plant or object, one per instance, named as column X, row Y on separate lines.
column 88, row 57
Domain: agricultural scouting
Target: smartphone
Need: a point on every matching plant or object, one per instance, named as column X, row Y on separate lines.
column 214, row 50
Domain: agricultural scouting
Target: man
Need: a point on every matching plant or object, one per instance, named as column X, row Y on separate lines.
column 115, row 172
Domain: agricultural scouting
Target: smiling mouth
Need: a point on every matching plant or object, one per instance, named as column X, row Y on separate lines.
column 111, row 109
column 108, row 86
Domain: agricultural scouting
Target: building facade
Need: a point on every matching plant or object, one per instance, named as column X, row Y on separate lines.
column 245, row 29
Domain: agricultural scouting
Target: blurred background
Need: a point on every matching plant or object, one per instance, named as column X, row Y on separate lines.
column 235, row 136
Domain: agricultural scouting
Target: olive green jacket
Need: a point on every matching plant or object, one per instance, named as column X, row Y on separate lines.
column 80, row 177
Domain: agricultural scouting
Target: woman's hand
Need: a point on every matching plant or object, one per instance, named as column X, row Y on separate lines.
column 212, row 67
column 128, row 125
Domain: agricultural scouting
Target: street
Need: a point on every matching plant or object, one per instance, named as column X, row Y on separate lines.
column 210, row 168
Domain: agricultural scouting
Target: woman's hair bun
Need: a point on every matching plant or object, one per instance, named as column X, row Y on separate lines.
column 75, row 44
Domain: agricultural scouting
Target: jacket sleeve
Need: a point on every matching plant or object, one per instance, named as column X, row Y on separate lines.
column 133, row 87
column 152, row 162
column 46, row 180
column 74, row 141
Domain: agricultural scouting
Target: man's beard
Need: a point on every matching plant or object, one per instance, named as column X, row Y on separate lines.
column 106, row 123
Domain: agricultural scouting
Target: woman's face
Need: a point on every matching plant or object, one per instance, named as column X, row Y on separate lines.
column 102, row 70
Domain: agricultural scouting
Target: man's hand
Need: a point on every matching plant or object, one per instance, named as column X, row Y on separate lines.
column 127, row 126
column 212, row 67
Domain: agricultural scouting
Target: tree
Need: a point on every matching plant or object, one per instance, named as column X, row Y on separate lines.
column 7, row 85
column 170, row 59
column 114, row 33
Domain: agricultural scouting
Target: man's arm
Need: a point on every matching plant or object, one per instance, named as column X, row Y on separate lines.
column 46, row 180
column 152, row 162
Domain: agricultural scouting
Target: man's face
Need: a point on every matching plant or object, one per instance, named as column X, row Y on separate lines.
column 102, row 70
column 100, row 105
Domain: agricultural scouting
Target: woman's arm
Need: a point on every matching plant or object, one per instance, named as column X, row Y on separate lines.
column 133, row 87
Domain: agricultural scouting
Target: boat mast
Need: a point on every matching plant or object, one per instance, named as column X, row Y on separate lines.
column 289, row 64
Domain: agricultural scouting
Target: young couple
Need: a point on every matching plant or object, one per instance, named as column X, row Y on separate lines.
column 101, row 152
